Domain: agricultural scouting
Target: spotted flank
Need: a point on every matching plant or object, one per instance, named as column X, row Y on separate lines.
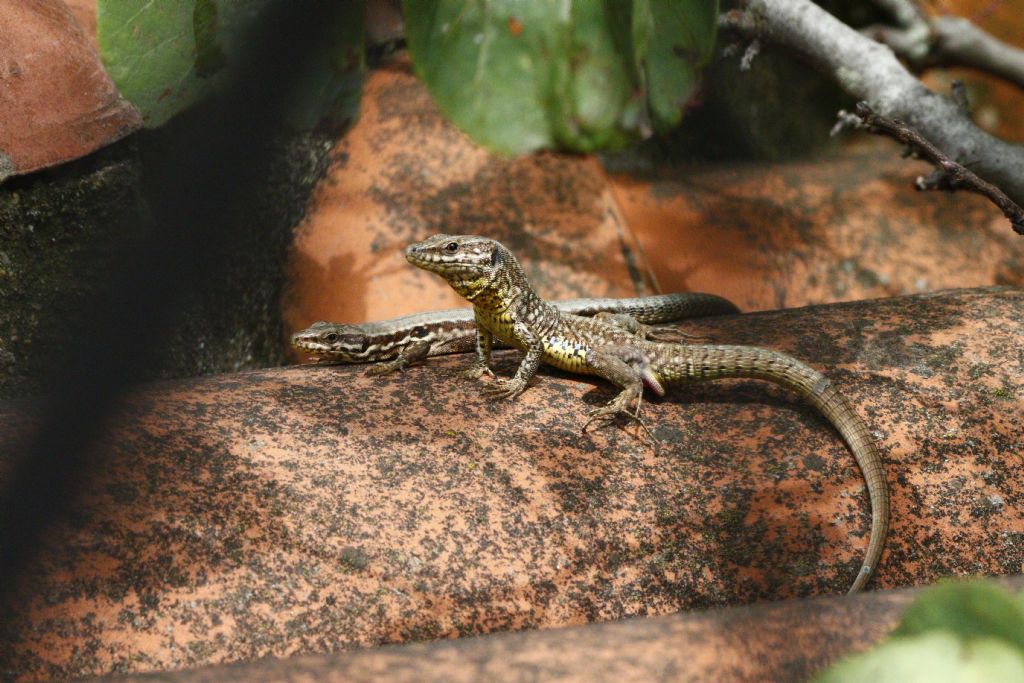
column 566, row 354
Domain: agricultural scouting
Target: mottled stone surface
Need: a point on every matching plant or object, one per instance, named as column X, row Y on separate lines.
column 59, row 232
column 403, row 173
column 844, row 228
column 782, row 641
column 58, row 102
column 315, row 509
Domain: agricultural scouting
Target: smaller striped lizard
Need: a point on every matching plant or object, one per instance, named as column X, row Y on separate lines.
column 397, row 343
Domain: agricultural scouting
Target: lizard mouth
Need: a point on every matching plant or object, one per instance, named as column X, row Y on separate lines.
column 416, row 255
column 450, row 269
column 305, row 341
column 313, row 348
column 306, row 345
column 321, row 352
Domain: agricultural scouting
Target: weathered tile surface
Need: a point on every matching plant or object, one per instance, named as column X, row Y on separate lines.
column 58, row 102
column 781, row 641
column 314, row 509
column 844, row 228
column 403, row 173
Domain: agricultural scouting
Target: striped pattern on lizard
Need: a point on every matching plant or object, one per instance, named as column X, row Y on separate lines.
column 398, row 343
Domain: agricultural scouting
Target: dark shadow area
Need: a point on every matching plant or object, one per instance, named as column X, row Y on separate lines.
column 198, row 191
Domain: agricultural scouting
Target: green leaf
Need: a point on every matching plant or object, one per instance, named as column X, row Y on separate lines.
column 166, row 55
column 953, row 632
column 520, row 75
column 677, row 38
column 968, row 610
column 936, row 657
column 327, row 95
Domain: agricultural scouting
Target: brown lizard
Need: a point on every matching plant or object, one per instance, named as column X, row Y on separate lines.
column 506, row 306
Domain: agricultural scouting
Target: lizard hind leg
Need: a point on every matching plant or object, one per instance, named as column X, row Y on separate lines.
column 413, row 353
column 661, row 333
column 630, row 379
column 625, row 322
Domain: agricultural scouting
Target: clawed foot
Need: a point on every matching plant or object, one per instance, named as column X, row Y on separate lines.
column 387, row 367
column 474, row 371
column 501, row 389
column 670, row 334
column 620, row 405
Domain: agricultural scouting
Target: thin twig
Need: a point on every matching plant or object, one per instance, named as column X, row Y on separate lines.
column 949, row 175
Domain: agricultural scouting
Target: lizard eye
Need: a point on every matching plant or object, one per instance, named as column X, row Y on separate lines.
column 451, row 247
column 419, row 332
column 331, row 337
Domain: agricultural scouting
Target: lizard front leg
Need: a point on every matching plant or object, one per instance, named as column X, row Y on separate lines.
column 481, row 366
column 510, row 388
column 412, row 353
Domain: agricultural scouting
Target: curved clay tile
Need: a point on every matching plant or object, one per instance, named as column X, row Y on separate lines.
column 767, row 236
column 779, row 641
column 843, row 228
column 313, row 509
column 403, row 173
column 56, row 101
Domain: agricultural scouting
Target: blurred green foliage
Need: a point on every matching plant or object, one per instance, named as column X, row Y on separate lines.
column 166, row 56
column 518, row 75
column 955, row 632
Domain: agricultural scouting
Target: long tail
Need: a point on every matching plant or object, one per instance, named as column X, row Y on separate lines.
column 707, row 362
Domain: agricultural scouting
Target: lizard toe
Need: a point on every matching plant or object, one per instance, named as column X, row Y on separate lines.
column 669, row 334
column 603, row 419
column 503, row 389
column 474, row 372
column 383, row 369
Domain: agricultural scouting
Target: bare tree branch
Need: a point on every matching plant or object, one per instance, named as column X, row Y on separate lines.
column 948, row 175
column 946, row 41
column 870, row 71
column 958, row 91
column 959, row 42
column 913, row 43
column 907, row 13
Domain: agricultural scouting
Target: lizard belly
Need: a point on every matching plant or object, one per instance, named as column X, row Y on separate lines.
column 567, row 354
column 501, row 325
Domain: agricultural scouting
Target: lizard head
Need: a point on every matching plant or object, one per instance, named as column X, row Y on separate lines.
column 334, row 340
column 468, row 262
